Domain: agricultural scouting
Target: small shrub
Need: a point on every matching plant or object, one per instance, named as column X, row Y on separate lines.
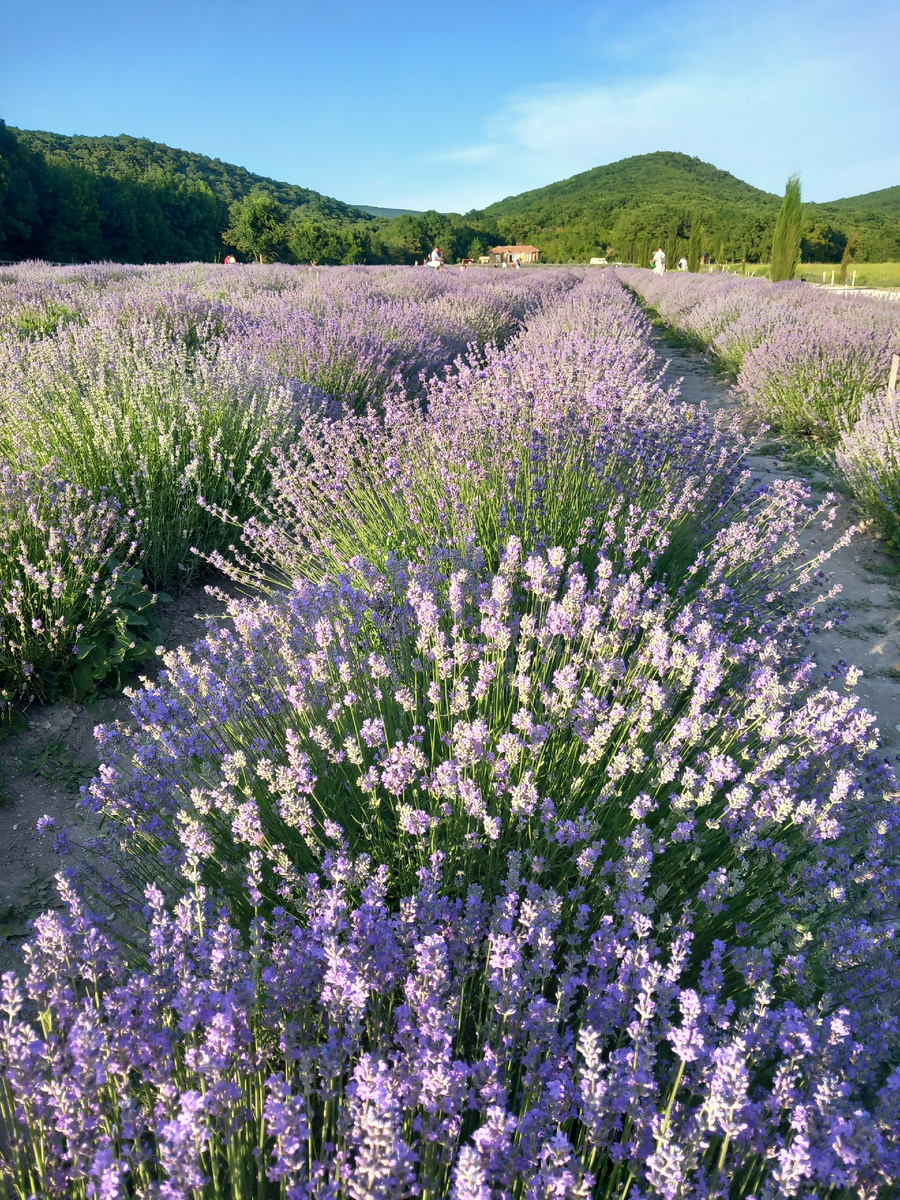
column 156, row 425
column 74, row 610
column 529, row 710
column 811, row 380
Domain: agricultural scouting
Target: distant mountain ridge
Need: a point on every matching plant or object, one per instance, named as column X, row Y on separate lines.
column 374, row 211
column 885, row 200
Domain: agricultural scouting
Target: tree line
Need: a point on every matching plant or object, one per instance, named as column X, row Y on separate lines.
column 82, row 199
column 262, row 229
column 79, row 199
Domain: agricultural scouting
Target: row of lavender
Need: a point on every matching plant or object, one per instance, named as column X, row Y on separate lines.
column 506, row 845
column 811, row 362
column 129, row 394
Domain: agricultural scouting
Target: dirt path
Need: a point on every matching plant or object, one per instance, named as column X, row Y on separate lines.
column 869, row 578
column 41, row 770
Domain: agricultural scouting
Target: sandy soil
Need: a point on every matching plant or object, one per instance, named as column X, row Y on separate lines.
column 41, row 769
column 869, row 578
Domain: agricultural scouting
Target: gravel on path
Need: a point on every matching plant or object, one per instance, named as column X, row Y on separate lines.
column 869, row 578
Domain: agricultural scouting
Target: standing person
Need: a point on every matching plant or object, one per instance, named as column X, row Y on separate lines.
column 437, row 258
column 682, row 263
column 658, row 258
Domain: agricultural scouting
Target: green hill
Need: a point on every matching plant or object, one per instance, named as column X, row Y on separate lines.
column 642, row 179
column 140, row 160
column 620, row 209
column 77, row 199
column 886, row 201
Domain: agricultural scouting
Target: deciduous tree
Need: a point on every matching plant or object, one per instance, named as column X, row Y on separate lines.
column 257, row 226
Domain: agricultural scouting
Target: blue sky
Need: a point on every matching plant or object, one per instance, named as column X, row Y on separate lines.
column 453, row 106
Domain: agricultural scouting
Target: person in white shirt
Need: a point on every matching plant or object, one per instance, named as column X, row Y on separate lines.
column 658, row 258
column 682, row 263
column 437, row 258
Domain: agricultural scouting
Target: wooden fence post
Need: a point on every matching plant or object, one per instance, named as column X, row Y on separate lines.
column 892, row 378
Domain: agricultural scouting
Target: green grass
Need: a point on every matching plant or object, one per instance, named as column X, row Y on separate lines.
column 867, row 274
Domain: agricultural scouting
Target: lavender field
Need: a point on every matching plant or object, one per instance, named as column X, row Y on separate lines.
column 504, row 840
column 813, row 364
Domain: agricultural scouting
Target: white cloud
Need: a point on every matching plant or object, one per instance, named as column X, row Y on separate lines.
column 762, row 105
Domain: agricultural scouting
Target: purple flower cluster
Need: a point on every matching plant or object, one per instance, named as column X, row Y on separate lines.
column 538, row 710
column 167, row 398
column 444, row 1045
column 869, row 457
column 164, row 391
column 563, row 438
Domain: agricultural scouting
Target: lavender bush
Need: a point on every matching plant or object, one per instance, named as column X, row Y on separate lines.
column 349, row 332
column 557, row 440
column 164, row 394
column 531, row 710
column 811, row 382
column 869, row 457
column 73, row 610
column 447, row 1045
column 151, row 423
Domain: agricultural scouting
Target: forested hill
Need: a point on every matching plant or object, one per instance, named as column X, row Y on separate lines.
column 78, row 199
column 619, row 208
column 140, row 160
column 644, row 179
column 75, row 199
column 886, row 201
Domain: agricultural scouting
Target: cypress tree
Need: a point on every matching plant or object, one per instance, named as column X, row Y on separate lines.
column 695, row 246
column 845, row 260
column 672, row 244
column 786, row 240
